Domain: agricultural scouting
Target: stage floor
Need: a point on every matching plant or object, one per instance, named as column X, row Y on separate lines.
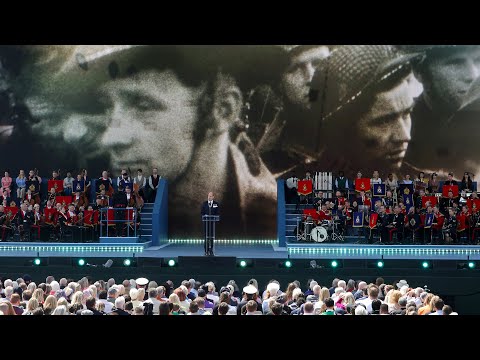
column 255, row 250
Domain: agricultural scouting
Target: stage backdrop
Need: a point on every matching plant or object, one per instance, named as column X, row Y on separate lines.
column 232, row 119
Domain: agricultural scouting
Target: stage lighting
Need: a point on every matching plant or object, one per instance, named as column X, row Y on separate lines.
column 81, row 262
column 127, row 262
column 425, row 264
column 471, row 265
column 288, row 264
column 171, row 263
column 334, row 264
column 380, row 264
column 243, row 263
column 37, row 262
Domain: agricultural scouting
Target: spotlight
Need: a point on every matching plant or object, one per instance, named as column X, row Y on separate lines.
column 288, row 264
column 380, row 264
column 127, row 262
column 37, row 262
column 425, row 264
column 334, row 264
column 171, row 263
column 243, row 263
column 471, row 265
column 81, row 262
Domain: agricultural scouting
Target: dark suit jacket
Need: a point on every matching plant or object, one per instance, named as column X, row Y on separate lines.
column 120, row 199
column 28, row 217
column 215, row 210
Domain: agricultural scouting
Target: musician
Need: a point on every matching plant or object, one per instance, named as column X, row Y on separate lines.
column 125, row 180
column 375, row 179
column 437, row 225
column 433, row 184
column 104, row 183
column 119, row 202
column 450, row 180
column 364, row 199
column 466, row 184
column 79, row 200
column 5, row 196
column 68, row 184
column 387, row 201
column 421, row 181
column 448, row 202
column 382, row 224
column 24, row 222
column 153, row 182
column 359, row 176
column 102, row 200
column 450, row 228
column 418, row 199
column 51, row 196
column 324, row 214
column 339, row 200
column 140, row 181
column 4, row 223
column 413, row 222
column 62, row 219
column 397, row 225
column 391, row 183
column 34, row 186
column 464, row 223
column 86, row 180
column 341, row 183
column 348, row 214
column 72, row 217
column 319, row 200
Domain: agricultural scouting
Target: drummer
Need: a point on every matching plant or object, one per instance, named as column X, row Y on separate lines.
column 324, row 214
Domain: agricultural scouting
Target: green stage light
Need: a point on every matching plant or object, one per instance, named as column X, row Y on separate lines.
column 81, row 262
column 127, row 262
column 288, row 264
column 171, row 263
column 471, row 265
column 425, row 264
column 37, row 262
column 380, row 263
column 334, row 263
column 243, row 263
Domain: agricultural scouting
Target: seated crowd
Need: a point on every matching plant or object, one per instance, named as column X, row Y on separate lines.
column 56, row 209
column 143, row 297
column 426, row 211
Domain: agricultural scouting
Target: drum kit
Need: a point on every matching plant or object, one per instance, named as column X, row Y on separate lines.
column 326, row 231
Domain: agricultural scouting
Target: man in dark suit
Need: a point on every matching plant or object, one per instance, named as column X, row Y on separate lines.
column 119, row 202
column 209, row 207
column 24, row 222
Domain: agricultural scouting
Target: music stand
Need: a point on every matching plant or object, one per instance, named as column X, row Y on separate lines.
column 209, row 222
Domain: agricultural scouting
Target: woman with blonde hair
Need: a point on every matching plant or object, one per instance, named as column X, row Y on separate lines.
column 77, row 298
column 31, row 306
column 141, row 294
column 93, row 291
column 49, row 305
column 62, row 301
column 289, row 292
column 174, row 300
column 7, row 308
column 32, row 287
column 39, row 295
column 60, row 310
column 324, row 294
column 393, row 298
column 426, row 308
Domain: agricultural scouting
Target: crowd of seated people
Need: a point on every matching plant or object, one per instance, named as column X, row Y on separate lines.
column 33, row 208
column 143, row 297
column 424, row 210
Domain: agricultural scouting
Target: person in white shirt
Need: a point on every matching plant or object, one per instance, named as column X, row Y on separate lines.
column 140, row 181
column 372, row 295
column 375, row 178
column 68, row 184
column 438, row 305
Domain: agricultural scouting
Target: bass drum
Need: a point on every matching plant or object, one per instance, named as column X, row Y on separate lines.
column 319, row 234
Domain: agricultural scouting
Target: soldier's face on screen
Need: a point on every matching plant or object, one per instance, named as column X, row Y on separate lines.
column 384, row 131
column 451, row 76
column 151, row 119
column 297, row 77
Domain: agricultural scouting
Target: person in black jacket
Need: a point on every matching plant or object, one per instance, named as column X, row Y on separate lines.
column 24, row 222
column 119, row 202
column 209, row 207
